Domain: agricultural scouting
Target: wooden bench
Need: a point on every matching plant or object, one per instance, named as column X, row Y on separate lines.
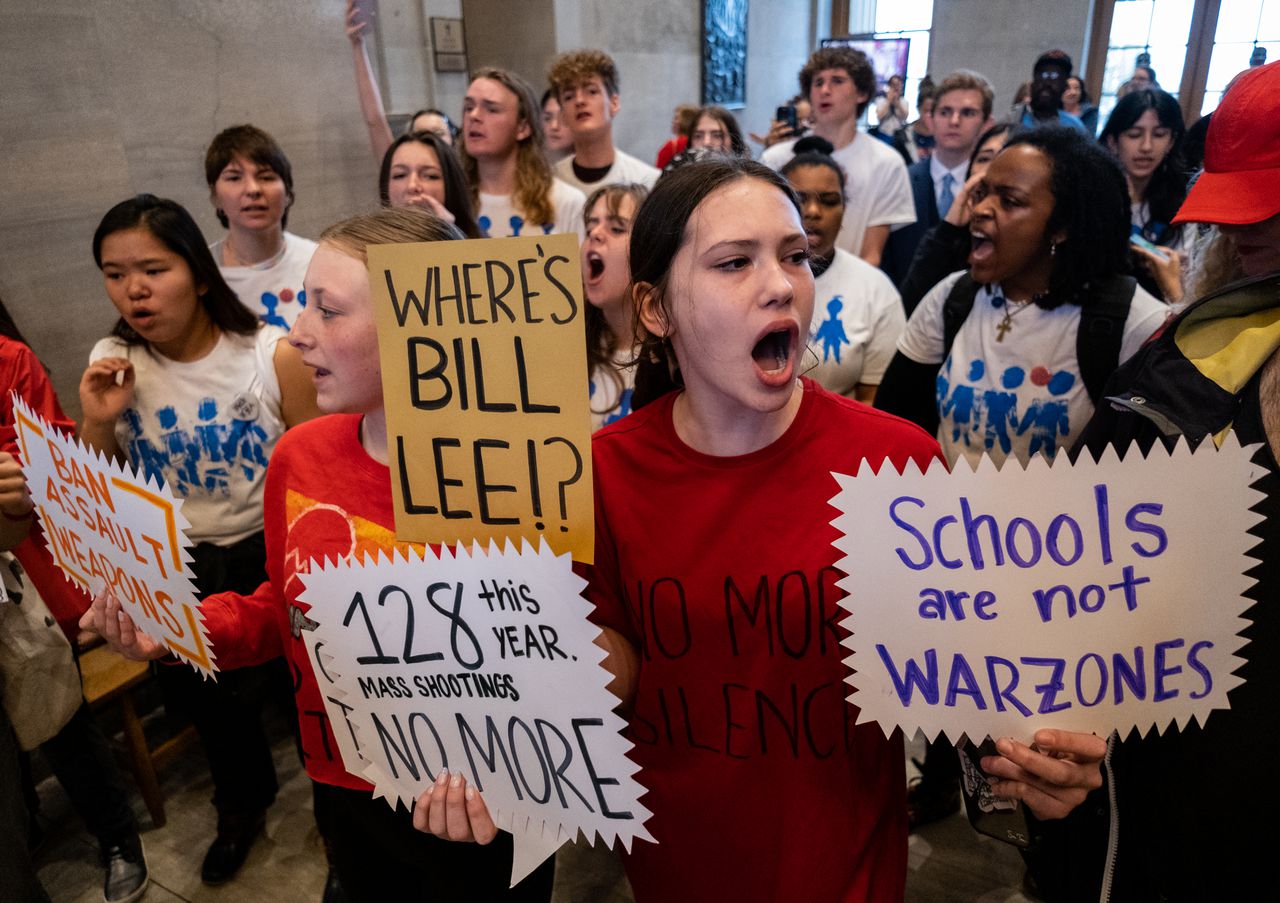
column 110, row 678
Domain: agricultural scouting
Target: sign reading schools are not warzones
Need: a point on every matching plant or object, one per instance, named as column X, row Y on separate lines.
column 1090, row 597
column 484, row 376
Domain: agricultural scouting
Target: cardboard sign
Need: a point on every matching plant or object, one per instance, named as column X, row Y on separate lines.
column 484, row 377
column 1096, row 597
column 106, row 524
column 484, row 663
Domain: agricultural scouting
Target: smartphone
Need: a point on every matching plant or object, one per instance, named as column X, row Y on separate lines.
column 1139, row 242
column 1003, row 819
column 787, row 116
column 367, row 11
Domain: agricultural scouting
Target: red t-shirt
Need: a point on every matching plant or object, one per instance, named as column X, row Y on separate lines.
column 324, row 498
column 722, row 573
column 20, row 372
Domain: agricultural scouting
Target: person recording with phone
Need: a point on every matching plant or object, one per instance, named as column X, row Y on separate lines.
column 791, row 120
column 1144, row 132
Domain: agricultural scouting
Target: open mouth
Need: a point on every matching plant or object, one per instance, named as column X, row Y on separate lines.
column 982, row 247
column 141, row 318
column 595, row 266
column 774, row 355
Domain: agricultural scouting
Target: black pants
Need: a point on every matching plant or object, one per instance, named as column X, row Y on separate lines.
column 380, row 857
column 18, row 879
column 227, row 713
column 81, row 758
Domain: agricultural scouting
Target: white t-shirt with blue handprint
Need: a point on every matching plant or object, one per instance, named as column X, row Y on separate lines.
column 499, row 218
column 272, row 289
column 1019, row 397
column 857, row 319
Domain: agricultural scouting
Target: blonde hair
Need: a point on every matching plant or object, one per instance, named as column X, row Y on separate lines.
column 533, row 172
column 967, row 80
column 1213, row 263
column 388, row 226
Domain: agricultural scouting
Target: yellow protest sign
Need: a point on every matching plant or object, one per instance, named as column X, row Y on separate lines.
column 484, row 376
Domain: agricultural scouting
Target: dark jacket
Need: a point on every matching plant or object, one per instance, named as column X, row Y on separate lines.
column 1195, row 809
column 901, row 246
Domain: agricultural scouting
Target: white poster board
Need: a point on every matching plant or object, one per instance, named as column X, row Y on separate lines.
column 108, row 525
column 482, row 662
column 1091, row 597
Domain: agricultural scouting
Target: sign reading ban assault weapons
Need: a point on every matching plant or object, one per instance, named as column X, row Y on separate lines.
column 108, row 525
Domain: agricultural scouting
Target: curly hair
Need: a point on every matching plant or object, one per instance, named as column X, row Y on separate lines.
column 1168, row 186
column 577, row 66
column 1213, row 264
column 852, row 61
column 533, row 172
column 1090, row 204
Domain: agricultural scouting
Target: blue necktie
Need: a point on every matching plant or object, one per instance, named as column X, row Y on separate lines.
column 944, row 202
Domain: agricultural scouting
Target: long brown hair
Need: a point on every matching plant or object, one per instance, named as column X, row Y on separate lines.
column 657, row 235
column 602, row 344
column 533, row 172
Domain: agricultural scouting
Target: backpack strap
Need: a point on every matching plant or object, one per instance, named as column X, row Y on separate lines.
column 1101, row 331
column 956, row 309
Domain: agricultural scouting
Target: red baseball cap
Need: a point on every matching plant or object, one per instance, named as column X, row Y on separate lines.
column 1241, row 179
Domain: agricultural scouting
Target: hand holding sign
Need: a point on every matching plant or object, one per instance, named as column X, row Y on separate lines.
column 108, row 526
column 1095, row 597
column 483, row 664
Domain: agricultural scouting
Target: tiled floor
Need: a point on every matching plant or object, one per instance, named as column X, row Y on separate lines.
column 948, row 862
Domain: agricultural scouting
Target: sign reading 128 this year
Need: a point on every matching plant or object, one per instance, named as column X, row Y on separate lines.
column 484, row 376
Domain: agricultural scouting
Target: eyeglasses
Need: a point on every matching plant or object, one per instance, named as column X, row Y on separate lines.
column 1051, row 75
column 963, row 112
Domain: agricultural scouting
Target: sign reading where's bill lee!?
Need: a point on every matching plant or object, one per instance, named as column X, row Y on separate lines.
column 484, row 378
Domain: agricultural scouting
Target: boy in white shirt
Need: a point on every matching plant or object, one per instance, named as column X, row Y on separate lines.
column 586, row 81
column 839, row 83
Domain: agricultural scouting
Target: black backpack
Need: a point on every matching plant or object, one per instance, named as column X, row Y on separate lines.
column 1097, row 342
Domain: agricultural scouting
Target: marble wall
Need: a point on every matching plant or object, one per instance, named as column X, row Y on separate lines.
column 102, row 100
column 1002, row 38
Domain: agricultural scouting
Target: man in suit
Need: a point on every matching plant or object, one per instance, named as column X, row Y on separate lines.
column 961, row 113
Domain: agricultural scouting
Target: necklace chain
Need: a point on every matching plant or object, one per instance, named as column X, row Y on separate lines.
column 1006, row 321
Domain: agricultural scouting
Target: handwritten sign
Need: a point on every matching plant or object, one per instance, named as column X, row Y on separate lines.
column 109, row 525
column 484, row 377
column 484, row 663
column 1092, row 597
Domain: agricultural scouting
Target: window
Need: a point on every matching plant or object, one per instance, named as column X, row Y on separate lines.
column 1243, row 26
column 910, row 19
column 1196, row 47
